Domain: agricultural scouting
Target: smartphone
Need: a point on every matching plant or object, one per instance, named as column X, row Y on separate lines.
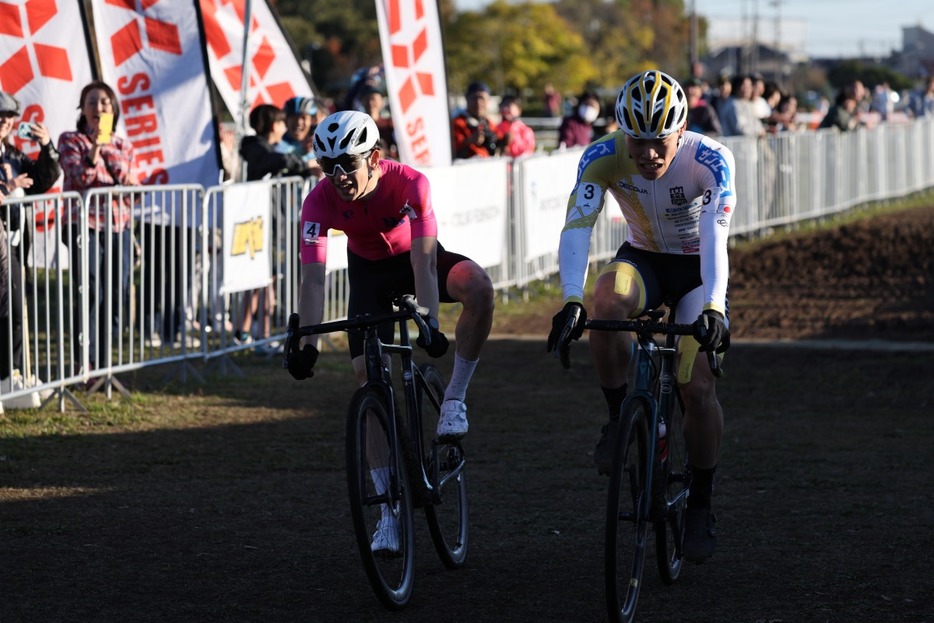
column 24, row 131
column 106, row 127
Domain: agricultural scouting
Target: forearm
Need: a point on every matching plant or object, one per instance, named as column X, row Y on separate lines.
column 425, row 269
column 311, row 297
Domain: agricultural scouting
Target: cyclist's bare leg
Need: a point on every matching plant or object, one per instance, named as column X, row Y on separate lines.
column 616, row 297
column 469, row 285
column 703, row 416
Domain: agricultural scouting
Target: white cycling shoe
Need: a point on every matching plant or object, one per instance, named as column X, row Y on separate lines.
column 453, row 421
column 386, row 538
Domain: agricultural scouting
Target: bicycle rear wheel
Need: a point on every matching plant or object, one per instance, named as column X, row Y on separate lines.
column 627, row 514
column 674, row 477
column 380, row 499
column 447, row 511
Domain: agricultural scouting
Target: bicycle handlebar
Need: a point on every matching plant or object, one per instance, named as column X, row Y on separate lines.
column 408, row 309
column 636, row 325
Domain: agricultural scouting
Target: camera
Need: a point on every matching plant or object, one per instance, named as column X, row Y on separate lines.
column 24, row 131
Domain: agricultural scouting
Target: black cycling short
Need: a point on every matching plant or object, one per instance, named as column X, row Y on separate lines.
column 373, row 283
column 667, row 277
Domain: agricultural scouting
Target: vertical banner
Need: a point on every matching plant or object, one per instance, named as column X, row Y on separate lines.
column 150, row 53
column 413, row 59
column 247, row 236
column 274, row 72
column 45, row 60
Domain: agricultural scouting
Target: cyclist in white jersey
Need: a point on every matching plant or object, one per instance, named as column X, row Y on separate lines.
column 676, row 191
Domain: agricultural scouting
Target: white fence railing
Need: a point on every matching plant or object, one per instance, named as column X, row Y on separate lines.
column 152, row 290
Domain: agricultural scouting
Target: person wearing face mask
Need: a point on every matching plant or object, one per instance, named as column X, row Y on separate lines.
column 677, row 191
column 576, row 130
column 515, row 137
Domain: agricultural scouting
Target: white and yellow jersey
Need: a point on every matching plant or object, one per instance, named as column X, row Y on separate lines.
column 686, row 211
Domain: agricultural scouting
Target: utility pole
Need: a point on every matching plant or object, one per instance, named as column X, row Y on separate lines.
column 694, row 55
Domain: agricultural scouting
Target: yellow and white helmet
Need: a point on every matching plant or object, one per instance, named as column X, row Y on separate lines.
column 651, row 105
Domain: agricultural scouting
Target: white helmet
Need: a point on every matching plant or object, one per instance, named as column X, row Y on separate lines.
column 346, row 132
column 651, row 105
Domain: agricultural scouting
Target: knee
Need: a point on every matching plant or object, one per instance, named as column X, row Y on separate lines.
column 608, row 304
column 475, row 291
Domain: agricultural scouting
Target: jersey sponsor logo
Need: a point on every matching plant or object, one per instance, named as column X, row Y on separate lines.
column 677, row 195
column 347, row 214
column 393, row 222
column 594, row 152
column 716, row 164
column 632, row 187
column 408, row 211
column 310, row 232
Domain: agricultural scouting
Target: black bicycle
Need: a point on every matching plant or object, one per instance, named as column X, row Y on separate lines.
column 395, row 462
column 650, row 478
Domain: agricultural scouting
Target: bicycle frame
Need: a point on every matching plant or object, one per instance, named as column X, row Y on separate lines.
column 378, row 373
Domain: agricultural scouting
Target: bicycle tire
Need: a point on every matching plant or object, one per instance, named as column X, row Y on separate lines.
column 448, row 512
column 627, row 519
column 368, row 448
column 675, row 479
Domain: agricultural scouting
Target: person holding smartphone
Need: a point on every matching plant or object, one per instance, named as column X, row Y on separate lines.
column 93, row 157
column 20, row 174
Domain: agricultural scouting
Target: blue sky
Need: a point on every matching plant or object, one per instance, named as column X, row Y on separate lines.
column 825, row 28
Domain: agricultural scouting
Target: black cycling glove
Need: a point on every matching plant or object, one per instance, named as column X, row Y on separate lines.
column 560, row 320
column 710, row 331
column 301, row 364
column 439, row 343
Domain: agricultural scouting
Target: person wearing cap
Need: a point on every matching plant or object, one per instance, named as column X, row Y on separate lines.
column 474, row 136
column 301, row 114
column 19, row 174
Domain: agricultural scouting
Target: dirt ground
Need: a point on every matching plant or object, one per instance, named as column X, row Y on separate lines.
column 227, row 501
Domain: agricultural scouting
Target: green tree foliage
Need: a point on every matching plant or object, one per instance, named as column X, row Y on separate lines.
column 627, row 36
column 516, row 47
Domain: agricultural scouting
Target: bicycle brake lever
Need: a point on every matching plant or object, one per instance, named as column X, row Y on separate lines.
column 563, row 349
column 291, row 339
column 714, row 362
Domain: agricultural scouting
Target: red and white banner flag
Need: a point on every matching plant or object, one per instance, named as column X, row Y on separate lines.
column 44, row 62
column 274, row 73
column 151, row 55
column 413, row 59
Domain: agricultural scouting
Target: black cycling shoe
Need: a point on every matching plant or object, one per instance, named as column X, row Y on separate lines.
column 603, row 453
column 700, row 534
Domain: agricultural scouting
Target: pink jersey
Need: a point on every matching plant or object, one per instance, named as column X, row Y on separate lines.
column 381, row 225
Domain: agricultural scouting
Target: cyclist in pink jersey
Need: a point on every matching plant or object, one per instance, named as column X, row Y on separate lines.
column 676, row 191
column 384, row 208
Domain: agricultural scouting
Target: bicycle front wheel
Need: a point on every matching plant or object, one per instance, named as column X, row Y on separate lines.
column 672, row 476
column 447, row 511
column 380, row 498
column 627, row 514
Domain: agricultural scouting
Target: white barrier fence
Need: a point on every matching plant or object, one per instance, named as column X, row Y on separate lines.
column 169, row 274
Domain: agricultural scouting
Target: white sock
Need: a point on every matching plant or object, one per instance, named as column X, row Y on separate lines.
column 460, row 378
column 380, row 477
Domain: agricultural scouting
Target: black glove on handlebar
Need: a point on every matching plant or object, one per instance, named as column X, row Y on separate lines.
column 301, row 364
column 559, row 321
column 710, row 331
column 439, row 343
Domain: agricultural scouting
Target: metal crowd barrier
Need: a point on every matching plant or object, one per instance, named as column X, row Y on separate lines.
column 150, row 287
